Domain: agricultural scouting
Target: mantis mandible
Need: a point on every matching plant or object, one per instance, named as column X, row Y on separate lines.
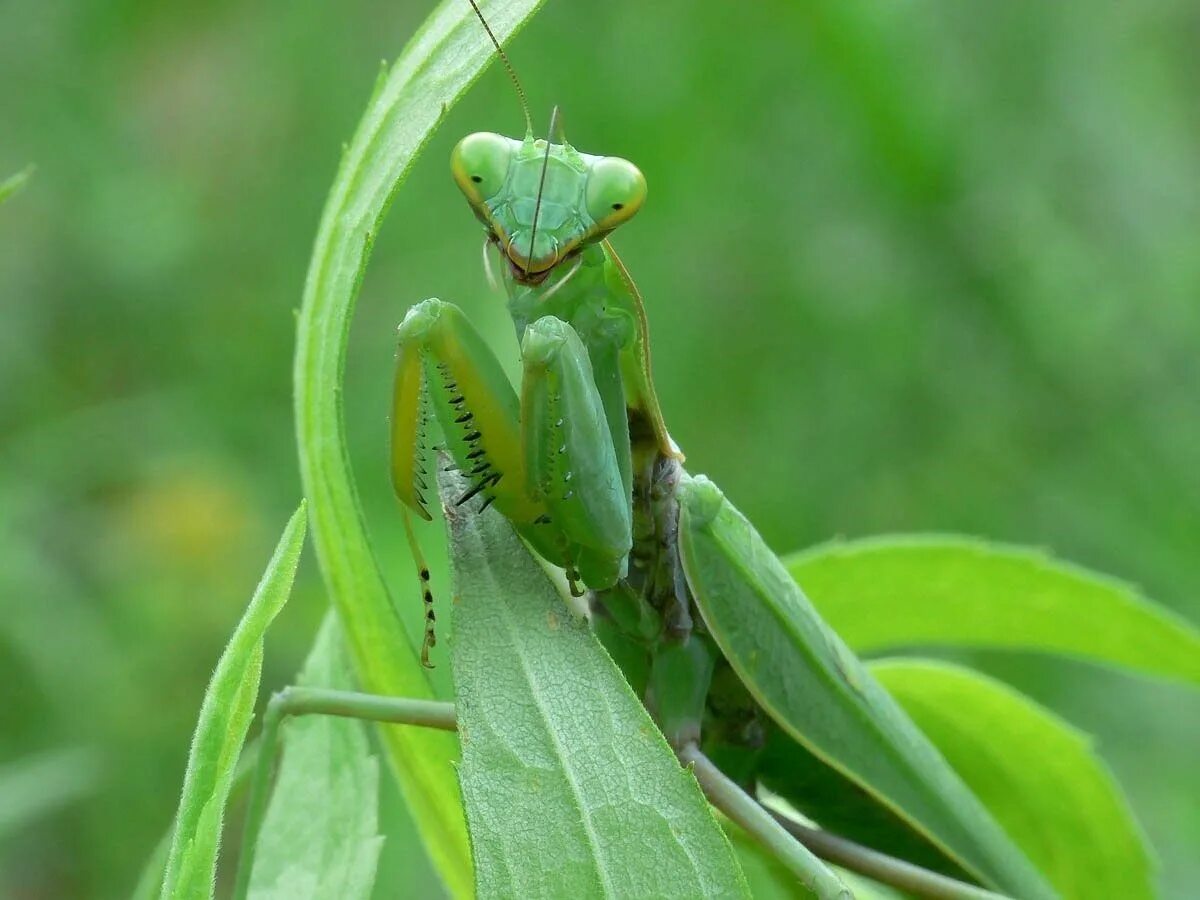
column 707, row 625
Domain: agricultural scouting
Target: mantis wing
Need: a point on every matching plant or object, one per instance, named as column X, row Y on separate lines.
column 819, row 693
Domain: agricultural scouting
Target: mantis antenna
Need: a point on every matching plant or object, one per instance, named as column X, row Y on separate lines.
column 537, row 206
column 508, row 67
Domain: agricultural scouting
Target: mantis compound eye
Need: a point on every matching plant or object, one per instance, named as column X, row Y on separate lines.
column 616, row 190
column 480, row 165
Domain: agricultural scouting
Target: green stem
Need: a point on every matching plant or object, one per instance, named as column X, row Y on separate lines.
column 882, row 868
column 799, row 848
column 747, row 812
column 300, row 701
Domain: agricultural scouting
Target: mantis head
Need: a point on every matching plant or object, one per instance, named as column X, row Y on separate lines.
column 542, row 203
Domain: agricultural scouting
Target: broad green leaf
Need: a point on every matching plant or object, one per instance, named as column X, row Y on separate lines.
column 569, row 788
column 1039, row 776
column 441, row 61
column 14, row 183
column 320, row 836
column 221, row 730
column 814, row 687
column 883, row 593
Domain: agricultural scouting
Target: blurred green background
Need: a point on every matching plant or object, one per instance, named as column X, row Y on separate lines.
column 909, row 266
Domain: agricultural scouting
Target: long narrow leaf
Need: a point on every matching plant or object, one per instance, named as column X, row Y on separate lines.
column 930, row 590
column 221, row 730
column 320, row 835
column 150, row 879
column 1036, row 774
column 570, row 789
column 442, row 60
column 824, row 698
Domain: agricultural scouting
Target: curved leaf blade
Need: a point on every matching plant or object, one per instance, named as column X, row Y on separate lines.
column 441, row 61
column 569, row 788
column 320, row 836
column 221, row 730
column 824, row 698
column 1037, row 775
column 884, row 593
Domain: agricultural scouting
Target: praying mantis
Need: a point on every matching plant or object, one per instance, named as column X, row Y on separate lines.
column 709, row 628
column 707, row 625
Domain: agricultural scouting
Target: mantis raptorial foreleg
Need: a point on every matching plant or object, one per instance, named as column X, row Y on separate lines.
column 569, row 451
column 547, row 460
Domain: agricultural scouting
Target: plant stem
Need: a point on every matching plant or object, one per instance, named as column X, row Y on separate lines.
column 798, row 847
column 299, row 701
column 747, row 812
column 880, row 867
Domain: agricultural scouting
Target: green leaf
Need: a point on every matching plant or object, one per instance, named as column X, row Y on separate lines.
column 150, row 879
column 14, row 183
column 814, row 687
column 929, row 590
column 320, row 836
column 445, row 56
column 569, row 788
column 1039, row 776
column 221, row 730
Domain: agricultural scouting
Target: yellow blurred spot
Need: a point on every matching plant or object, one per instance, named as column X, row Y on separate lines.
column 188, row 519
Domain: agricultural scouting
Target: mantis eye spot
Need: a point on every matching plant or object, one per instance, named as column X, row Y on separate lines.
column 479, row 164
column 615, row 191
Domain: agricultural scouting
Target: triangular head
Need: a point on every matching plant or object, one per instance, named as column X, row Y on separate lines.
column 541, row 202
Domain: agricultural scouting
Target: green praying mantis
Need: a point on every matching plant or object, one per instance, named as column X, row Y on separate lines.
column 705, row 622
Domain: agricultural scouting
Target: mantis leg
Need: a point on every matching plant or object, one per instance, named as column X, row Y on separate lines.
column 443, row 363
column 570, row 457
column 547, row 461
column 444, row 366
